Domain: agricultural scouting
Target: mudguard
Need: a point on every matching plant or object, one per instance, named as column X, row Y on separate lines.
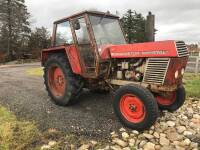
column 71, row 53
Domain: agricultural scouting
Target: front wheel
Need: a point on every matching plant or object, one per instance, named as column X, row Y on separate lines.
column 173, row 101
column 136, row 107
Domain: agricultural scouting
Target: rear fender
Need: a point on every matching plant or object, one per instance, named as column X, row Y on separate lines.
column 69, row 51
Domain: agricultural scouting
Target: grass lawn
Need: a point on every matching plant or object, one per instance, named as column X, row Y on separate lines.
column 192, row 84
column 24, row 135
column 35, row 71
column 14, row 134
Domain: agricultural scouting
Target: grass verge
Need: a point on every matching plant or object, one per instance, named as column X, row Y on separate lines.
column 16, row 134
column 35, row 71
column 192, row 85
column 24, row 135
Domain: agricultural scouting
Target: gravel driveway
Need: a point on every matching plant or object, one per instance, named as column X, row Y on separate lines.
column 93, row 116
column 26, row 96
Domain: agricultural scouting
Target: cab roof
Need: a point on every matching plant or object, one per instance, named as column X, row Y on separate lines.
column 97, row 13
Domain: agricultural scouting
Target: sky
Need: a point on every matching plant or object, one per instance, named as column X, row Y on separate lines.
column 175, row 19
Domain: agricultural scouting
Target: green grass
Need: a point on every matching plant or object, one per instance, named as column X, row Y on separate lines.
column 24, row 135
column 192, row 85
column 35, row 71
column 16, row 134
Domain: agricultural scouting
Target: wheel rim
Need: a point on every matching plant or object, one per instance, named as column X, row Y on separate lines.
column 57, row 82
column 132, row 108
column 168, row 100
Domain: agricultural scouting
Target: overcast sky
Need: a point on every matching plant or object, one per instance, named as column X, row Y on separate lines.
column 175, row 19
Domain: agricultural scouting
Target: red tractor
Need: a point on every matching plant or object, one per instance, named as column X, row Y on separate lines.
column 89, row 50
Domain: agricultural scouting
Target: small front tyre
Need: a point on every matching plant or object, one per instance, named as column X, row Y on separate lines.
column 135, row 107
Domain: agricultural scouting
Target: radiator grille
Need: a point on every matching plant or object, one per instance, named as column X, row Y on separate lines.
column 156, row 70
column 181, row 49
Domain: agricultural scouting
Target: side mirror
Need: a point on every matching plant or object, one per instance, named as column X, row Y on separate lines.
column 76, row 24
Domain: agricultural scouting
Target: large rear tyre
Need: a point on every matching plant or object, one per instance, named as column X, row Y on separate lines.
column 135, row 107
column 62, row 85
column 174, row 101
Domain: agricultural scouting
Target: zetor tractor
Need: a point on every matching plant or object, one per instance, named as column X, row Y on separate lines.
column 89, row 50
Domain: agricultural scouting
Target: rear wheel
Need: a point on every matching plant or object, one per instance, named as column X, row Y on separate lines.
column 173, row 101
column 135, row 106
column 62, row 85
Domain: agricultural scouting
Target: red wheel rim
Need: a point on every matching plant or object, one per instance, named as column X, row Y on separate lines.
column 132, row 108
column 168, row 100
column 56, row 81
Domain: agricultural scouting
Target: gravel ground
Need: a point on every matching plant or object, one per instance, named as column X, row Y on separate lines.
column 25, row 95
column 172, row 131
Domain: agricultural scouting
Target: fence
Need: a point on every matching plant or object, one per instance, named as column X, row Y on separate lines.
column 193, row 65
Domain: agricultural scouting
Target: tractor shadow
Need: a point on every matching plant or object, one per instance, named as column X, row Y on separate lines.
column 92, row 116
column 99, row 111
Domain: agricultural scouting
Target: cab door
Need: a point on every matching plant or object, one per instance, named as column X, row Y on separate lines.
column 84, row 45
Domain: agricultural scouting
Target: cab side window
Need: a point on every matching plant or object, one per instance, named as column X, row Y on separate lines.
column 82, row 33
column 63, row 34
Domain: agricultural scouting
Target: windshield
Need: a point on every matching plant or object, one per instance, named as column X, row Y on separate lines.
column 107, row 31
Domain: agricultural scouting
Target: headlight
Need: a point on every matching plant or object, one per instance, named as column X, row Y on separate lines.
column 182, row 71
column 176, row 74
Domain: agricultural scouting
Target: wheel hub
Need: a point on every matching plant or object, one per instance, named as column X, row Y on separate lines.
column 60, row 80
column 57, row 81
column 132, row 108
column 167, row 100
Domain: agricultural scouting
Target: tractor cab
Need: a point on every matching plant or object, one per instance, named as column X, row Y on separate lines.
column 88, row 32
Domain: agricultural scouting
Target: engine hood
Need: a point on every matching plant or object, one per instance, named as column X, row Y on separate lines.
column 149, row 49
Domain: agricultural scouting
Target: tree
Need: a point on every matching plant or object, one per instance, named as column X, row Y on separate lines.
column 133, row 24
column 39, row 39
column 14, row 24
